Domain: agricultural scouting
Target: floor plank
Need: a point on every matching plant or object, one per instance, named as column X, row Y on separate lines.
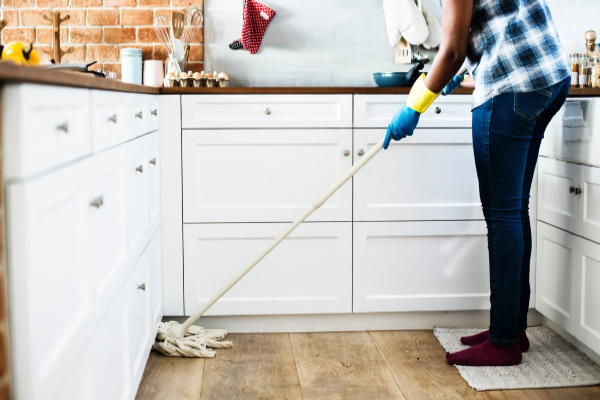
column 171, row 378
column 418, row 364
column 342, row 365
column 259, row 366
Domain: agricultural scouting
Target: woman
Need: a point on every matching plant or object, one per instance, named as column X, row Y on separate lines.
column 522, row 78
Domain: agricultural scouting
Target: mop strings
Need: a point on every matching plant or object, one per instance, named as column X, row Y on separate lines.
column 198, row 342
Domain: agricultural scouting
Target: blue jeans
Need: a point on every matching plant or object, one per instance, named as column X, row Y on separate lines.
column 507, row 132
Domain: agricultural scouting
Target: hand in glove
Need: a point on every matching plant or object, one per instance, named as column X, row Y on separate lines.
column 454, row 83
column 406, row 119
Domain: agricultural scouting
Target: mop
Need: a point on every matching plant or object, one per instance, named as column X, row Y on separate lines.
column 188, row 340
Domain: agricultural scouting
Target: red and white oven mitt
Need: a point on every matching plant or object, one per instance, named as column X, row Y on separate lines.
column 257, row 18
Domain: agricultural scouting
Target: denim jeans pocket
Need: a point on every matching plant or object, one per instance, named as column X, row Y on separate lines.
column 530, row 105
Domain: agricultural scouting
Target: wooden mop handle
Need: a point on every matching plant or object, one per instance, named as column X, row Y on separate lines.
column 317, row 203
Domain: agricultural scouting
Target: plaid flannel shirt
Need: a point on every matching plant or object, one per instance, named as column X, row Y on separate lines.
column 513, row 48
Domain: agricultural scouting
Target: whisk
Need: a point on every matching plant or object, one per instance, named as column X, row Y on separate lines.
column 191, row 28
column 162, row 27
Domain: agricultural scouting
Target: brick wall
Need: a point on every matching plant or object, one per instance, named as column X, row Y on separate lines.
column 98, row 29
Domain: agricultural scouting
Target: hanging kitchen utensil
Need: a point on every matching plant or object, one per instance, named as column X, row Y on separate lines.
column 177, row 19
column 192, row 25
column 162, row 27
column 403, row 53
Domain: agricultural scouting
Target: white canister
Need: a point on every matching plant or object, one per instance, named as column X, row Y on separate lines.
column 154, row 73
column 131, row 66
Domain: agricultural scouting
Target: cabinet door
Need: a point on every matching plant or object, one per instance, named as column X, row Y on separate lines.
column 429, row 176
column 156, row 279
column 310, row 272
column 588, row 256
column 51, row 296
column 109, row 125
column 137, row 197
column 557, row 276
column 264, row 175
column 590, row 204
column 108, row 225
column 557, row 201
column 141, row 326
column 420, row 266
column 153, row 184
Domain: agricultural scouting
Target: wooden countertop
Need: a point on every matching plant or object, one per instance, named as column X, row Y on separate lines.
column 13, row 73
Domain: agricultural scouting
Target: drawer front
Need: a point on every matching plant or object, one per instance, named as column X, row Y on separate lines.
column 267, row 111
column 376, row 111
column 284, row 282
column 153, row 113
column 590, row 203
column 44, row 127
column 430, row 191
column 138, row 227
column 137, row 115
column 109, row 122
column 264, row 176
column 153, row 184
column 420, row 266
column 558, row 204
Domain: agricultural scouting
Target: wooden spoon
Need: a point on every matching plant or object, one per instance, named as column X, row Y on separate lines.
column 177, row 23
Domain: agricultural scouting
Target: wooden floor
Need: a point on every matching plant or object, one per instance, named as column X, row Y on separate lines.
column 341, row 365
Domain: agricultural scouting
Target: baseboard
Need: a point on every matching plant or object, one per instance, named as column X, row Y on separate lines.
column 352, row 322
column 595, row 357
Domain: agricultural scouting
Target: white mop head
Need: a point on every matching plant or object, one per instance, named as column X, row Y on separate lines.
column 196, row 342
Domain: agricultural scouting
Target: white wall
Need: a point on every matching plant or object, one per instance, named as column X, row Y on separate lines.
column 572, row 19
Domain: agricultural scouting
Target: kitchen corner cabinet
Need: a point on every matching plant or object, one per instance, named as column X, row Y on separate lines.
column 84, row 281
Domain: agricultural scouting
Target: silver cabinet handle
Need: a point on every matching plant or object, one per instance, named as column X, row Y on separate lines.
column 438, row 110
column 140, row 169
column 154, row 112
column 113, row 118
column 575, row 190
column 360, row 152
column 138, row 115
column 97, row 202
column 153, row 161
column 142, row 287
column 268, row 111
column 63, row 127
column 346, row 152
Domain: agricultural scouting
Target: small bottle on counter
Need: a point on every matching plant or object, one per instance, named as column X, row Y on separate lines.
column 575, row 70
column 584, row 59
column 594, row 76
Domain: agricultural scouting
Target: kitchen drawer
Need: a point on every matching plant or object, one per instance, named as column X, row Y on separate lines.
column 376, row 111
column 558, row 204
column 109, row 122
column 153, row 112
column 590, row 203
column 138, row 226
column 430, row 191
column 137, row 115
column 43, row 127
column 266, row 111
column 153, row 183
column 264, row 175
column 310, row 272
column 420, row 266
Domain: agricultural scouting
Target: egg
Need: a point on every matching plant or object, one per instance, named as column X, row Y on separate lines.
column 203, row 74
column 184, row 75
column 171, row 75
column 209, row 75
column 197, row 75
column 223, row 75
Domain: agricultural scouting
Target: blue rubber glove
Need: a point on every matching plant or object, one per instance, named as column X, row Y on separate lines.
column 403, row 124
column 454, row 83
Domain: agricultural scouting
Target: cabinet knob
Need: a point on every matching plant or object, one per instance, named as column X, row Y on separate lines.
column 268, row 111
column 140, row 169
column 153, row 161
column 97, row 202
column 63, row 127
column 346, row 152
column 154, row 112
column 113, row 118
column 138, row 115
column 360, row 152
column 438, row 110
column 142, row 287
column 575, row 190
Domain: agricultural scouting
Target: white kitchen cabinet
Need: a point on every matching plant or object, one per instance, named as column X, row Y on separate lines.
column 557, row 277
column 420, row 266
column 588, row 257
column 429, row 176
column 264, row 175
column 589, row 201
column 153, row 183
column 266, row 111
column 376, row 111
column 557, row 198
column 156, row 277
column 108, row 113
column 138, row 226
column 44, row 127
column 310, row 272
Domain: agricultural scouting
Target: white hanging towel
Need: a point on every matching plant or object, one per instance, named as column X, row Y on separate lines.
column 403, row 19
column 435, row 30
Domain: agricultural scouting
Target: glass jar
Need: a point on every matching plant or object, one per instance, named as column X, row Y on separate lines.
column 574, row 69
column 594, row 75
column 584, row 60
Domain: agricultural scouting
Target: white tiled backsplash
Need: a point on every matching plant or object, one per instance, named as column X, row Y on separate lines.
column 572, row 19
